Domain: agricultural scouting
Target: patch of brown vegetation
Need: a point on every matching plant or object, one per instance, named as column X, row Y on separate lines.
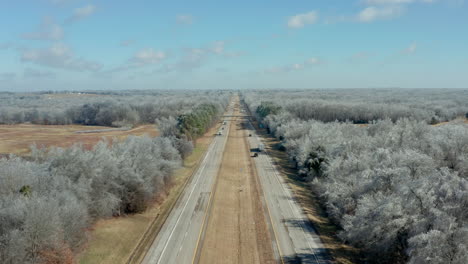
column 17, row 139
column 465, row 120
column 61, row 255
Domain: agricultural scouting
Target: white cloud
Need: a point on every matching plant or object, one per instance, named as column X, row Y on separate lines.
column 84, row 11
column 48, row 30
column 81, row 13
column 7, row 76
column 148, row 56
column 300, row 20
column 60, row 56
column 277, row 70
column 396, row 2
column 196, row 57
column 411, row 49
column 218, row 47
column 295, row 66
column 141, row 58
column 127, row 42
column 5, row 45
column 59, row 2
column 372, row 13
column 386, row 2
column 380, row 10
column 360, row 56
column 184, row 19
column 233, row 54
column 37, row 74
column 191, row 58
column 313, row 61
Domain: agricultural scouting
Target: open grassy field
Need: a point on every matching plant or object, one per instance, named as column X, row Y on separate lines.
column 113, row 241
column 17, row 139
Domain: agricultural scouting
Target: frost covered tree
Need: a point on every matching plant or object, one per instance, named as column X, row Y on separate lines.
column 396, row 186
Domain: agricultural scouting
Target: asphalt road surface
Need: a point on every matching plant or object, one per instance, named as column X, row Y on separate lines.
column 178, row 238
column 297, row 240
column 236, row 229
column 181, row 236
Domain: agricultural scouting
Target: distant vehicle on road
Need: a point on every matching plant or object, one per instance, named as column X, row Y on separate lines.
column 261, row 147
column 255, row 155
column 219, row 133
column 224, row 122
column 250, row 135
column 258, row 149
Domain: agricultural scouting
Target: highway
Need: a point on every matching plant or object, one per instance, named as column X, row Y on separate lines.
column 182, row 237
column 177, row 241
column 297, row 240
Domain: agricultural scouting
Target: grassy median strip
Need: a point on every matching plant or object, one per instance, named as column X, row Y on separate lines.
column 120, row 239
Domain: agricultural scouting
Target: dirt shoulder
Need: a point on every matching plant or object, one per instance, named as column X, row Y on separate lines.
column 236, row 230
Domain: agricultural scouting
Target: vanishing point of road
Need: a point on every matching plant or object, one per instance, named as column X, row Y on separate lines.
column 236, row 209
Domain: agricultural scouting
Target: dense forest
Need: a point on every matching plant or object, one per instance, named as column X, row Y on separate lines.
column 365, row 105
column 103, row 108
column 49, row 199
column 395, row 185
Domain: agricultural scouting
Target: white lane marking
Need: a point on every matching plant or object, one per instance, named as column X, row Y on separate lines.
column 294, row 210
column 186, row 203
column 195, row 184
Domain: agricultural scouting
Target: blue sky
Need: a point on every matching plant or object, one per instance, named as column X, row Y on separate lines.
column 207, row 44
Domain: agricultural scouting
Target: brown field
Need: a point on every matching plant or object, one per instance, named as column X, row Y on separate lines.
column 455, row 120
column 17, row 139
column 236, row 230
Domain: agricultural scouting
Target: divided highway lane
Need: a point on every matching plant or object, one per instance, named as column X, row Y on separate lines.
column 178, row 238
column 297, row 240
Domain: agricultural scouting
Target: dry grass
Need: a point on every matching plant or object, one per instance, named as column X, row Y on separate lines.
column 303, row 192
column 17, row 139
column 465, row 120
column 114, row 240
